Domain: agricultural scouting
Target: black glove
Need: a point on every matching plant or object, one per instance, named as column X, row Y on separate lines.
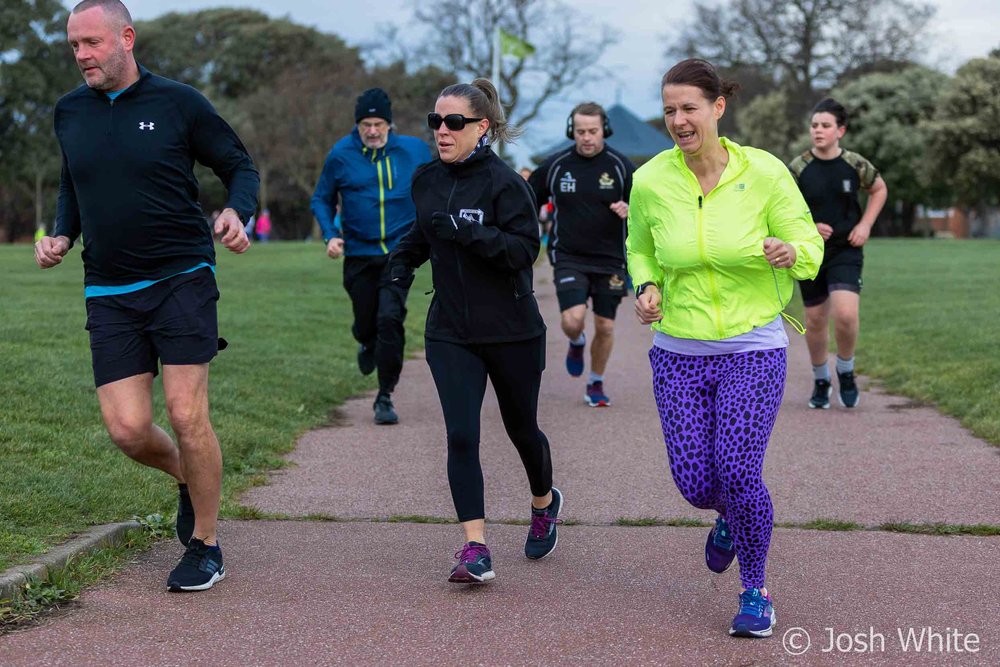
column 398, row 276
column 446, row 226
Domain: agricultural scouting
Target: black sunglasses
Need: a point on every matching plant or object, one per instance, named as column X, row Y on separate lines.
column 455, row 122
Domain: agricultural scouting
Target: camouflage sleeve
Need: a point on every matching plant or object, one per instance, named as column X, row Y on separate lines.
column 798, row 165
column 867, row 173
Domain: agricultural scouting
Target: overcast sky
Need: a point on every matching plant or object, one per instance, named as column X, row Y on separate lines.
column 963, row 29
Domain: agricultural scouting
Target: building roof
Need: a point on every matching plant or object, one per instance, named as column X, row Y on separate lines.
column 633, row 137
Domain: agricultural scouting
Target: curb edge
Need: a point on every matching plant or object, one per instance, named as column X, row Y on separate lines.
column 12, row 579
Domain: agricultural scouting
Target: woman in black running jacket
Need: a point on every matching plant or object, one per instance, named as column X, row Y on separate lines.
column 477, row 223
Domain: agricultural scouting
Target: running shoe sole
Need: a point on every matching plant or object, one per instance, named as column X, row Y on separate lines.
column 461, row 575
column 216, row 578
column 743, row 631
column 849, row 407
column 598, row 404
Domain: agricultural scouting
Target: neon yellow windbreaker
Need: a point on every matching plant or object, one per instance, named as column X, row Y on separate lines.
column 706, row 252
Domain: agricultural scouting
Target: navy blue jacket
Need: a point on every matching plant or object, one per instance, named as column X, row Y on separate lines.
column 128, row 183
column 374, row 185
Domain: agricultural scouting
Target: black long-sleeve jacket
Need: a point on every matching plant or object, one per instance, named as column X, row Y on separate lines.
column 482, row 278
column 128, row 182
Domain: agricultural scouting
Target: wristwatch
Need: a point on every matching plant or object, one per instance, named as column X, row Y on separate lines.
column 641, row 288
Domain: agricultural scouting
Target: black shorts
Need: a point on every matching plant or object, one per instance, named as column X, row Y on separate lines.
column 841, row 270
column 173, row 321
column 605, row 290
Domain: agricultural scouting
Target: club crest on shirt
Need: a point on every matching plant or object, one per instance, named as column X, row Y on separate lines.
column 606, row 182
column 616, row 283
column 472, row 215
column 567, row 183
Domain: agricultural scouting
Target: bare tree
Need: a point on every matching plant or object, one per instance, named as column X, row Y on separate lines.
column 458, row 37
column 806, row 45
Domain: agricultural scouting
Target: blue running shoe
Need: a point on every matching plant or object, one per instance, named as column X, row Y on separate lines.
column 756, row 617
column 474, row 566
column 542, row 537
column 719, row 548
column 574, row 359
column 595, row 396
column 200, row 568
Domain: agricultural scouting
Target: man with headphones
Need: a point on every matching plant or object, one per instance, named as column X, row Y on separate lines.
column 589, row 184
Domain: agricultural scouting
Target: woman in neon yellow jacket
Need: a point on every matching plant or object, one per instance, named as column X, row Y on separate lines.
column 717, row 233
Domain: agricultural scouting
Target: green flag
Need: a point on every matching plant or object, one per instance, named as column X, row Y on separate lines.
column 512, row 45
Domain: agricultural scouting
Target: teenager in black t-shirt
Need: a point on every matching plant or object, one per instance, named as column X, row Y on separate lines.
column 830, row 179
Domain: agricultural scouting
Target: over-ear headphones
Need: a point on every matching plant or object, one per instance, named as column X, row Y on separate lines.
column 589, row 109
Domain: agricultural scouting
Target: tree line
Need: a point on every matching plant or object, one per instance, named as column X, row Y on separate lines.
column 289, row 89
column 934, row 137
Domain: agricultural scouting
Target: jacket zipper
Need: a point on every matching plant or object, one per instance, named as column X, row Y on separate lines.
column 458, row 265
column 381, row 209
column 712, row 286
column 111, row 117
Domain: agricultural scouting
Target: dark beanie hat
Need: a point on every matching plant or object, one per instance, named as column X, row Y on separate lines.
column 373, row 103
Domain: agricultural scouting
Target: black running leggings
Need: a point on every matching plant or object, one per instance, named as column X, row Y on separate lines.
column 460, row 373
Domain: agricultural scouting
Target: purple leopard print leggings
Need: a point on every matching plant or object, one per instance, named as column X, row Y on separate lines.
column 717, row 413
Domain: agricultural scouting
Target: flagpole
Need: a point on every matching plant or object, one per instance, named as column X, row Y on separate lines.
column 496, row 56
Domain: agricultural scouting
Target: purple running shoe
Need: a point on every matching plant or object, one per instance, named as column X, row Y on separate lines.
column 756, row 617
column 719, row 548
column 474, row 566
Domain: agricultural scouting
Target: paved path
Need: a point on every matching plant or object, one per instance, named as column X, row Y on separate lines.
column 339, row 592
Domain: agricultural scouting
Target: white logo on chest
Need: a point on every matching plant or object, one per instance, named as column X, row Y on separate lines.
column 567, row 183
column 146, row 125
column 473, row 215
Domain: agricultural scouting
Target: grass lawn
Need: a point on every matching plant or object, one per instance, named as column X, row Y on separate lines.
column 928, row 331
column 290, row 361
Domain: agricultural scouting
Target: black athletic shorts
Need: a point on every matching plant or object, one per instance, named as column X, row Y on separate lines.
column 841, row 270
column 605, row 290
column 172, row 321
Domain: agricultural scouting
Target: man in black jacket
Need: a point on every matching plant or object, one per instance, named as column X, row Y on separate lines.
column 589, row 184
column 129, row 139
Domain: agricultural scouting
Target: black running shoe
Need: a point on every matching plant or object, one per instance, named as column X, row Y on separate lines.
column 821, row 395
column 200, row 568
column 366, row 359
column 385, row 413
column 849, row 394
column 542, row 537
column 185, row 515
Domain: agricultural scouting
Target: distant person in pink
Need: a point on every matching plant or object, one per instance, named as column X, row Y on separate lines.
column 263, row 226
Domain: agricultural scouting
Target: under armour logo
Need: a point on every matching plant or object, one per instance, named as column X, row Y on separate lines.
column 146, row 126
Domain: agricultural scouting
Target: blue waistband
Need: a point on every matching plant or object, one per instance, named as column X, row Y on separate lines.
column 91, row 291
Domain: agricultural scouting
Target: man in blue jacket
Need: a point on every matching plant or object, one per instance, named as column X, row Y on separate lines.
column 370, row 170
